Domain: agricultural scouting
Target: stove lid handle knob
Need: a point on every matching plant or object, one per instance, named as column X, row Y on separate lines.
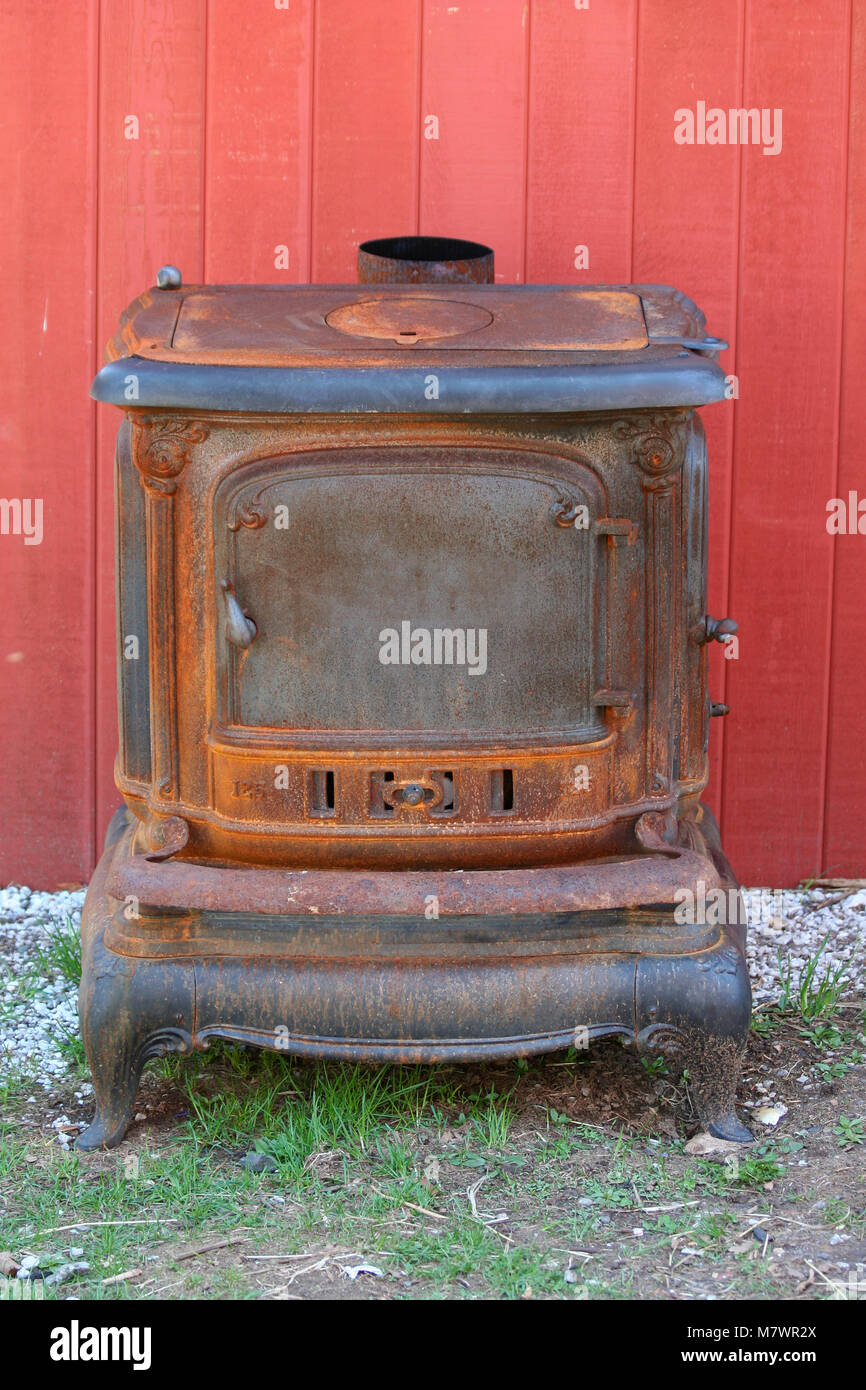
column 240, row 628
column 168, row 277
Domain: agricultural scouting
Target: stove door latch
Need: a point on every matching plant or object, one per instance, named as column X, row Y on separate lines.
column 240, row 629
column 619, row 705
column 619, row 530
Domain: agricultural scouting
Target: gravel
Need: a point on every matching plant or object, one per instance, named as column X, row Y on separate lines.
column 793, row 924
column 39, row 1008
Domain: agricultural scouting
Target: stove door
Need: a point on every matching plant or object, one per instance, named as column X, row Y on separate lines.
column 427, row 597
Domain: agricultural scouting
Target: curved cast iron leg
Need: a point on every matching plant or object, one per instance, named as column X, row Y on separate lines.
column 698, row 1007
column 119, row 1038
column 116, row 1061
column 130, row 1010
column 714, row 1065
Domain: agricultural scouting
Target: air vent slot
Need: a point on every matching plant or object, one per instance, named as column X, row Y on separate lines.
column 448, row 805
column 502, row 791
column 322, row 792
column 378, row 783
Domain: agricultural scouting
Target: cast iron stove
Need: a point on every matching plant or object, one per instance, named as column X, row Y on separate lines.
column 412, row 678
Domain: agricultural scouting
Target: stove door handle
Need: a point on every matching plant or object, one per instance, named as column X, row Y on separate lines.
column 240, row 629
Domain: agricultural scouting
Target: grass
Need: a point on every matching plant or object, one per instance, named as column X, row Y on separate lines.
column 294, row 1113
column 353, row 1147
column 15, row 1081
column 491, row 1124
column 411, row 1169
column 72, row 1047
column 362, row 1205
column 811, row 999
column 63, row 952
column 813, row 996
column 756, row 1169
column 824, row 1034
column 61, row 955
column 18, row 990
column 765, row 1019
column 655, row 1066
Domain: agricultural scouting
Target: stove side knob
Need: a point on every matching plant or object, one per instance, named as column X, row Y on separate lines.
column 710, row 629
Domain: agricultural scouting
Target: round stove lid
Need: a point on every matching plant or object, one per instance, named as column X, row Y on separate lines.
column 409, row 320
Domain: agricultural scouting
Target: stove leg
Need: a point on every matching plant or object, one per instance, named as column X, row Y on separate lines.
column 714, row 1066
column 131, row 1009
column 116, row 1074
column 697, row 1008
column 117, row 1056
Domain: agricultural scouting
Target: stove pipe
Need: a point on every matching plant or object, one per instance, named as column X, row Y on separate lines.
column 416, row 260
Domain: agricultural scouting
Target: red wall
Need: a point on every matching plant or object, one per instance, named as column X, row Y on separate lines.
column 300, row 123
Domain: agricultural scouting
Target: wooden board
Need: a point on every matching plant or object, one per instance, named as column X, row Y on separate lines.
column 47, row 629
column 686, row 224
column 365, row 147
column 256, row 155
column 845, row 790
column 581, row 138
column 149, row 199
column 474, row 80
column 789, row 336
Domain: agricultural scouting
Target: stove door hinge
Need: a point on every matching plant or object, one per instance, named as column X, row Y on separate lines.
column 618, row 529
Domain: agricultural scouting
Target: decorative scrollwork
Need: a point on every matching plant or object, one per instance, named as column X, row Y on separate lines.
column 164, row 1040
column 656, row 831
column 249, row 514
column 727, row 961
column 163, row 836
column 161, row 449
column 665, row 1038
column 657, row 444
column 565, row 510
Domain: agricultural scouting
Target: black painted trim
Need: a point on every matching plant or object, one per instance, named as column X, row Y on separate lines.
column 681, row 380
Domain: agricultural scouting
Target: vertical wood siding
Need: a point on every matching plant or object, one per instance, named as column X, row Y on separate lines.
column 273, row 136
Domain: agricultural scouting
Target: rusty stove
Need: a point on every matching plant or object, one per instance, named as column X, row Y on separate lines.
column 412, row 677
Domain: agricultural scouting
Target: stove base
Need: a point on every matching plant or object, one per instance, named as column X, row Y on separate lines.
column 406, row 990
